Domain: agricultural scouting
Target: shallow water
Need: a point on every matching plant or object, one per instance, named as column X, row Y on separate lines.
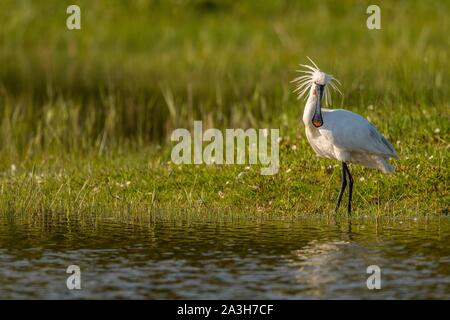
column 304, row 258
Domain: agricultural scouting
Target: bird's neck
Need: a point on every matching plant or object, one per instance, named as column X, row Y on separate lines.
column 308, row 112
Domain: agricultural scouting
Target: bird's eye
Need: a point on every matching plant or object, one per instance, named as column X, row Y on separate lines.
column 318, row 84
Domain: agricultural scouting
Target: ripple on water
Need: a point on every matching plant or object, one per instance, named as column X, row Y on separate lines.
column 309, row 258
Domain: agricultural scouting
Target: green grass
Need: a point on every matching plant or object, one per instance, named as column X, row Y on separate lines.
column 85, row 115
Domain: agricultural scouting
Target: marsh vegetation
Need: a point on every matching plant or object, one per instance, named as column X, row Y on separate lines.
column 85, row 115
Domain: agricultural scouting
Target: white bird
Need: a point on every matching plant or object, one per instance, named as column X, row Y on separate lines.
column 340, row 134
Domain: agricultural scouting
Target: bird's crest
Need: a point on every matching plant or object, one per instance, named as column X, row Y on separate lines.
column 313, row 74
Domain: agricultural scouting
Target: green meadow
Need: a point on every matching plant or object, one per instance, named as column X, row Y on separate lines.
column 86, row 115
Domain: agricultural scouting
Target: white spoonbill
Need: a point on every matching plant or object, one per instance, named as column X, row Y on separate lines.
column 340, row 134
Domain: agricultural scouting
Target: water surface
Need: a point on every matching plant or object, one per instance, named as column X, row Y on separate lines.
column 244, row 259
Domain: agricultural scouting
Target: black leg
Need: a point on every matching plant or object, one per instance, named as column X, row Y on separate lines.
column 350, row 189
column 343, row 185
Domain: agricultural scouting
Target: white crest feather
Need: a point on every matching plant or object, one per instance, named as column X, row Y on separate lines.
column 312, row 73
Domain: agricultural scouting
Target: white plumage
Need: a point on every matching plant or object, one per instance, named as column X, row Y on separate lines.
column 348, row 137
column 340, row 134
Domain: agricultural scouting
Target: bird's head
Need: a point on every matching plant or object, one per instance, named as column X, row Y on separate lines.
column 320, row 78
column 319, row 82
column 316, row 83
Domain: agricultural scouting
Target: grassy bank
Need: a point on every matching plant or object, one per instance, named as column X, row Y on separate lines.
column 85, row 115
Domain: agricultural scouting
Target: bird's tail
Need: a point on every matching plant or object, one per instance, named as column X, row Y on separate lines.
column 389, row 168
column 385, row 166
column 391, row 148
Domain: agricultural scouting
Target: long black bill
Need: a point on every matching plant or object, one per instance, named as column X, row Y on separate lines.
column 317, row 119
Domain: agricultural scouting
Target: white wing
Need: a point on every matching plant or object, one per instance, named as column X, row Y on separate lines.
column 351, row 132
